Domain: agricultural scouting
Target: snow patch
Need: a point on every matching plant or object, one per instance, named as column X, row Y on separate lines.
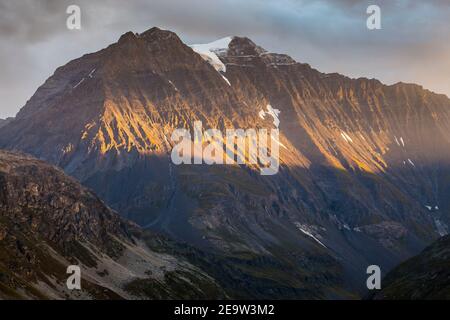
column 412, row 163
column 262, row 114
column 430, row 208
column 209, row 51
column 81, row 81
column 308, row 230
column 346, row 137
column 92, row 73
column 279, row 143
column 271, row 112
column 400, row 142
column 226, row 80
column 441, row 227
column 174, row 86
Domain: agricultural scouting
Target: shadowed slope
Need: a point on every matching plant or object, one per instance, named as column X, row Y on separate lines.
column 424, row 277
column 48, row 221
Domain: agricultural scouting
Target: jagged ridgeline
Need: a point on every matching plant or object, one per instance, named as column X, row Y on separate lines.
column 363, row 176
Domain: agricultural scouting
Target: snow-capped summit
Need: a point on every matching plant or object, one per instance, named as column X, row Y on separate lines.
column 210, row 52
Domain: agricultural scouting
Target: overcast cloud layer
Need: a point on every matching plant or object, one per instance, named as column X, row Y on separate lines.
column 331, row 35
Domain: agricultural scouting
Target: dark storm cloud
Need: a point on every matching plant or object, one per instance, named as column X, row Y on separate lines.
column 329, row 34
column 29, row 20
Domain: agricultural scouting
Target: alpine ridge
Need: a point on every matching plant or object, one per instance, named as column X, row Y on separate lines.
column 363, row 173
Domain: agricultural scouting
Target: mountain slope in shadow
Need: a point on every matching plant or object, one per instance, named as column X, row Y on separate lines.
column 48, row 221
column 423, row 277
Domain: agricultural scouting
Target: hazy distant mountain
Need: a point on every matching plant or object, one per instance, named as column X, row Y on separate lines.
column 364, row 166
column 48, row 222
column 426, row 276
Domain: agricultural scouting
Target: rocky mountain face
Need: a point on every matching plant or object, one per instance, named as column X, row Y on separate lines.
column 424, row 277
column 364, row 167
column 48, row 221
column 4, row 122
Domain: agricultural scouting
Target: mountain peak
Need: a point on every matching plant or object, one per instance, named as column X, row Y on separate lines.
column 244, row 46
column 230, row 46
column 126, row 37
column 156, row 33
column 237, row 51
column 151, row 35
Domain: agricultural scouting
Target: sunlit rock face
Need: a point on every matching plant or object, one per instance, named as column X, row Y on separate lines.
column 360, row 166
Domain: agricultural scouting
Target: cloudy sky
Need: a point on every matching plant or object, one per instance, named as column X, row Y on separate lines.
column 331, row 35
